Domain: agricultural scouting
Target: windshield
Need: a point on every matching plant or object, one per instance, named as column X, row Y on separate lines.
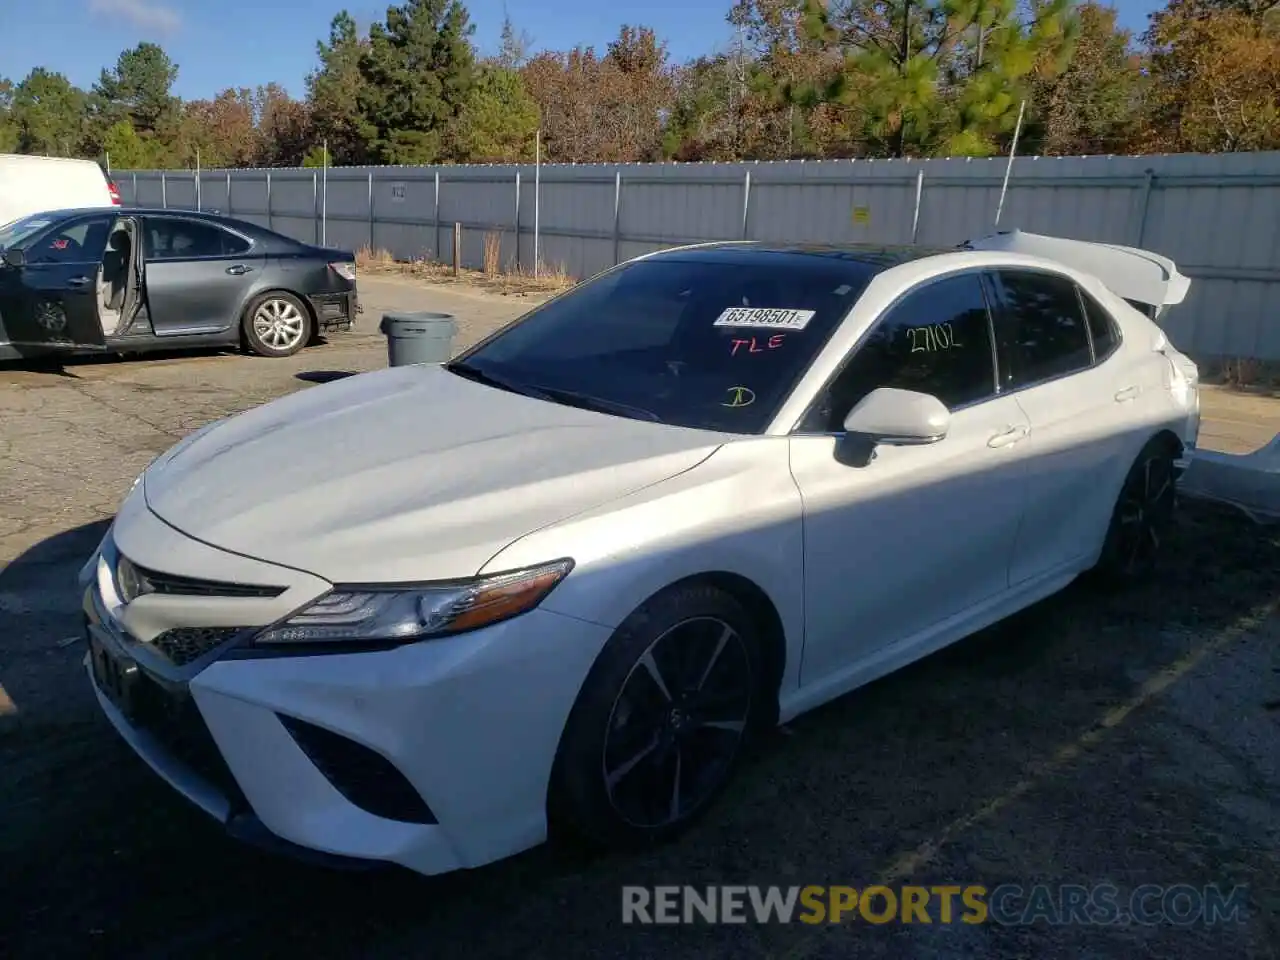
column 713, row 343
column 16, row 231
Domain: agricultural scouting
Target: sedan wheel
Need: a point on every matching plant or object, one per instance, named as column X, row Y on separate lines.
column 662, row 720
column 1142, row 517
column 677, row 723
column 278, row 325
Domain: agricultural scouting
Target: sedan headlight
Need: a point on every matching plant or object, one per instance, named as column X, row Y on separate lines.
column 406, row 614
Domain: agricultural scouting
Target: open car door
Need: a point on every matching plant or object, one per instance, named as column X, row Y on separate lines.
column 1147, row 280
column 49, row 303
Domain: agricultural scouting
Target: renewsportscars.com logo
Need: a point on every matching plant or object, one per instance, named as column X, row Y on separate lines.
column 1007, row 904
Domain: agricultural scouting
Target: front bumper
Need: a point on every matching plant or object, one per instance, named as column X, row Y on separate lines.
column 470, row 724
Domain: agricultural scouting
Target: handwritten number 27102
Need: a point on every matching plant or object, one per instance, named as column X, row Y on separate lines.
column 937, row 336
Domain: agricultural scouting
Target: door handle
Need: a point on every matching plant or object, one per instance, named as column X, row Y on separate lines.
column 238, row 269
column 78, row 281
column 1007, row 436
column 1127, row 394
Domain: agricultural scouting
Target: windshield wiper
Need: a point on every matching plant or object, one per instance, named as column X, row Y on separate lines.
column 600, row 405
column 569, row 398
column 490, row 380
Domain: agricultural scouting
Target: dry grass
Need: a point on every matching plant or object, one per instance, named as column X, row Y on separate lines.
column 494, row 278
column 1245, row 374
column 492, row 253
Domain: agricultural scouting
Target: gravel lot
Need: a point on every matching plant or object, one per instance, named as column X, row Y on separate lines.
column 1094, row 739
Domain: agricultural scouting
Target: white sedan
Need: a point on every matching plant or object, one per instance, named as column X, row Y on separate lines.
column 430, row 615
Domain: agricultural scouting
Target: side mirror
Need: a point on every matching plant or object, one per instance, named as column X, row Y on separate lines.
column 898, row 418
column 15, row 257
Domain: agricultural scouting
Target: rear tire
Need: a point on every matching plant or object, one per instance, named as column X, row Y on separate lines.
column 662, row 722
column 276, row 324
column 1142, row 518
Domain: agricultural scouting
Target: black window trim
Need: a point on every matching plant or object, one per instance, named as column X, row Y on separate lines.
column 212, row 224
column 1093, row 362
column 983, row 284
column 1117, row 334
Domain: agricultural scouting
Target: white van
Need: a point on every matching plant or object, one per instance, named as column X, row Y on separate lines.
column 36, row 184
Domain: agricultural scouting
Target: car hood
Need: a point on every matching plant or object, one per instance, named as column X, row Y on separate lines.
column 409, row 473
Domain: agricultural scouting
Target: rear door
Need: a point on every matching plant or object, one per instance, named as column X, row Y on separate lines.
column 52, row 299
column 1070, row 383
column 197, row 274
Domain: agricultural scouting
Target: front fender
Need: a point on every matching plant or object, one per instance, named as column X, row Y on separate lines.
column 737, row 512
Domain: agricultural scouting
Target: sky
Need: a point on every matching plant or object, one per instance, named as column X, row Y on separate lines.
column 243, row 43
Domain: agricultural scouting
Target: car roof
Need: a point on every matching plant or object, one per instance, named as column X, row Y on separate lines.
column 136, row 211
column 243, row 226
column 876, row 256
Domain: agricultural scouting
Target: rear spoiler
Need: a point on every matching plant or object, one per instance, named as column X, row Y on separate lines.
column 1145, row 279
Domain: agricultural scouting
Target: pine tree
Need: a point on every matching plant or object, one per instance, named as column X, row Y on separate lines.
column 418, row 71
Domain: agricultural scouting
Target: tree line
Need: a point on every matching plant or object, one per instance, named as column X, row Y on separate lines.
column 800, row 79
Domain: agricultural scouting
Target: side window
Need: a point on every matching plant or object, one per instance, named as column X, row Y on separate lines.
column 1040, row 332
column 1102, row 328
column 82, row 242
column 172, row 238
column 936, row 340
column 1143, row 308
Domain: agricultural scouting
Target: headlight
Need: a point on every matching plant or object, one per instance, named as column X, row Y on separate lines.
column 416, row 613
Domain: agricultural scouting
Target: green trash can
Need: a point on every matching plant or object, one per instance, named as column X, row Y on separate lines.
column 418, row 337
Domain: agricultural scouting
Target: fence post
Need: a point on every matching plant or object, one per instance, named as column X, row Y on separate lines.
column 1146, row 203
column 164, row 190
column 915, row 219
column 230, row 205
column 517, row 220
column 315, row 212
column 457, row 248
column 134, row 200
column 435, row 223
column 371, row 245
column 268, row 199
column 617, row 213
column 746, row 204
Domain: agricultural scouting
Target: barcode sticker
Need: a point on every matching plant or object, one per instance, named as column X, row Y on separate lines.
column 765, row 317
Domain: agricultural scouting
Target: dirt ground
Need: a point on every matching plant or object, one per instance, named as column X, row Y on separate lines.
column 1124, row 739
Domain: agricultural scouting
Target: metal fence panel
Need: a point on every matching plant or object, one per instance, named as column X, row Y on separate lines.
column 1216, row 216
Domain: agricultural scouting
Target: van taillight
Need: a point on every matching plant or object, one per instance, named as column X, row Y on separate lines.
column 115, row 193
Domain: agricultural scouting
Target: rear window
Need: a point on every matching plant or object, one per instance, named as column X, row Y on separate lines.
column 714, row 344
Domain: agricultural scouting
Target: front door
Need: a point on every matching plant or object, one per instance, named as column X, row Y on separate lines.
column 51, row 300
column 197, row 274
column 920, row 534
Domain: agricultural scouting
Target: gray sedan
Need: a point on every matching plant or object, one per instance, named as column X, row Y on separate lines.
column 130, row 280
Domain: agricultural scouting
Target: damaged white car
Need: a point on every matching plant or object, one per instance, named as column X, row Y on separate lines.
column 429, row 614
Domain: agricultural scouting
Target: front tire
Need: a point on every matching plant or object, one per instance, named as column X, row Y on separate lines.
column 277, row 324
column 1142, row 518
column 662, row 721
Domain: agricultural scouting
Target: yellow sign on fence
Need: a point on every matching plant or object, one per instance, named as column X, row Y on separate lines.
column 861, row 215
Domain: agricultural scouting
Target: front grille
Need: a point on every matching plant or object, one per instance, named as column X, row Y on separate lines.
column 366, row 778
column 184, row 645
column 172, row 584
column 172, row 717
